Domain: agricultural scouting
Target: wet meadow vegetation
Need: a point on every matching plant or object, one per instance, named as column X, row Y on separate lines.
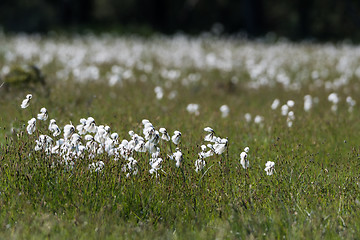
column 178, row 138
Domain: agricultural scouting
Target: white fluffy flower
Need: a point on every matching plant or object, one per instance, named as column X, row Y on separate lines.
column 258, row 119
column 225, row 110
column 193, row 108
column 308, row 102
column 69, row 129
column 210, row 136
column 199, row 164
column 220, row 146
column 81, row 127
column 97, row 167
column 31, row 127
column 176, row 137
column 44, row 142
column 178, row 157
column 247, row 117
column 165, row 136
column 155, row 163
column 333, row 98
column 43, row 115
column 90, row 126
column 243, row 160
column 269, row 167
column 54, row 128
column 25, row 103
column 159, row 92
column 351, row 102
column 275, row 104
column 290, row 103
column 284, row 109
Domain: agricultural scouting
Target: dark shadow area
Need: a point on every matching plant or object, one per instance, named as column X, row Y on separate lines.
column 321, row 20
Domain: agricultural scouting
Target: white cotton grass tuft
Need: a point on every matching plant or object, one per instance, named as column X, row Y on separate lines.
column 90, row 126
column 54, row 128
column 165, row 136
column 199, row 164
column 269, row 168
column 247, row 117
column 159, row 92
column 97, row 167
column 290, row 103
column 351, row 102
column 43, row 115
column 193, row 108
column 244, row 161
column 81, row 127
column 284, row 109
column 176, row 137
column 308, row 103
column 220, row 146
column 209, row 137
column 275, row 104
column 26, row 102
column 290, row 119
column 334, row 99
column 225, row 110
column 69, row 129
column 178, row 157
column 31, row 127
column 258, row 119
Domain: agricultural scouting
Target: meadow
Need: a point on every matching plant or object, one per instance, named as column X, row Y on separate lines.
column 112, row 172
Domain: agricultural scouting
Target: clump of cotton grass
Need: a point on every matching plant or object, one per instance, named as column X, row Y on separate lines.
column 176, row 137
column 308, row 103
column 159, row 92
column 69, row 129
column 247, row 117
column 44, row 143
column 290, row 103
column 334, row 99
column 290, row 119
column 275, row 104
column 200, row 162
column 269, row 168
column 225, row 110
column 130, row 168
column 97, row 166
column 165, row 136
column 286, row 107
column 259, row 120
column 81, row 127
column 244, row 161
column 156, row 164
column 31, row 127
column 351, row 103
column 26, row 102
column 211, row 134
column 177, row 156
column 43, row 115
column 193, row 108
column 284, row 110
column 54, row 128
column 90, row 125
column 219, row 144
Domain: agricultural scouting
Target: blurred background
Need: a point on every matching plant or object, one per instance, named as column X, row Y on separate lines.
column 321, row 20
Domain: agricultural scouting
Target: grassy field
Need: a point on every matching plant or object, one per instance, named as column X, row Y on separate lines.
column 313, row 192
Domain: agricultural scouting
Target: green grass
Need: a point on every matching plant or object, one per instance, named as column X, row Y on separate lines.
column 314, row 193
